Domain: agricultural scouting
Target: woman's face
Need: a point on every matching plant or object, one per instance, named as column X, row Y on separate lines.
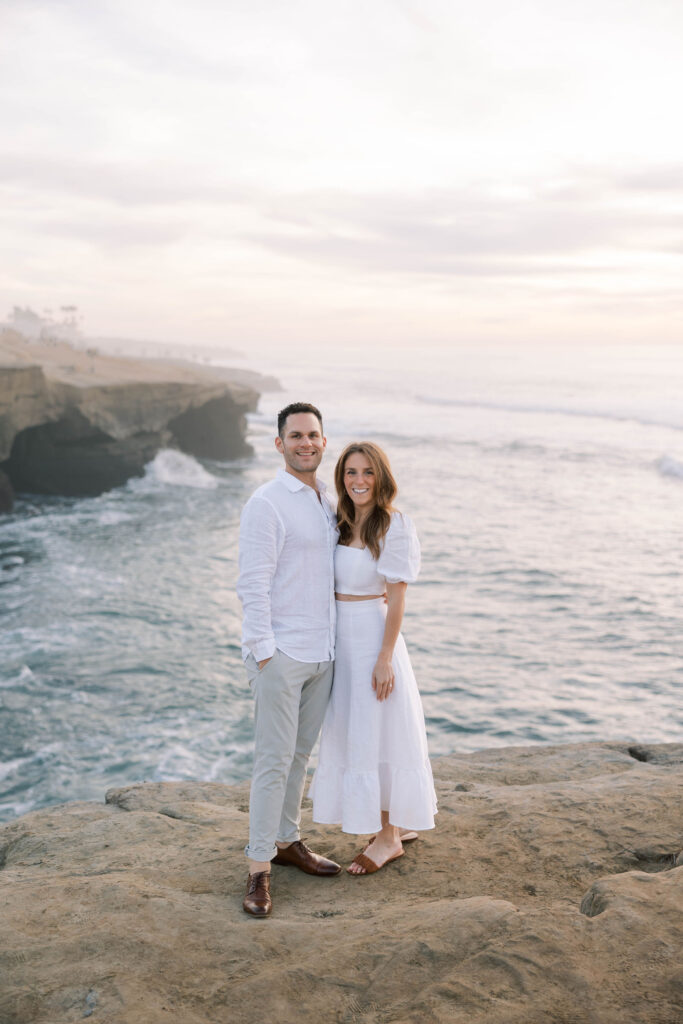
column 359, row 481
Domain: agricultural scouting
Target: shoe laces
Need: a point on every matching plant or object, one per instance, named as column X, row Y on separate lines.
column 257, row 881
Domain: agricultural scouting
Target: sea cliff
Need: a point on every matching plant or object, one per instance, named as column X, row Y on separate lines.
column 551, row 892
column 79, row 422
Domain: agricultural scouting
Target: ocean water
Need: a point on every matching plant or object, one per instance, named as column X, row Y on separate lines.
column 547, row 488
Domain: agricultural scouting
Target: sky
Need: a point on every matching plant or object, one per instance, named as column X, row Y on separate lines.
column 250, row 174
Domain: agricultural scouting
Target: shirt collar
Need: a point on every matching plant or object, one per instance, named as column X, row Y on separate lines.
column 293, row 484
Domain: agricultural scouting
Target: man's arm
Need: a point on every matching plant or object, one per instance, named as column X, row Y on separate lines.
column 261, row 540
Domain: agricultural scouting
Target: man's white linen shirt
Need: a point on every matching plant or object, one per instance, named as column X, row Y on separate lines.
column 286, row 561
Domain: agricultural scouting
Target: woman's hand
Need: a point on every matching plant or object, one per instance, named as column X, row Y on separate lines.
column 383, row 675
column 383, row 678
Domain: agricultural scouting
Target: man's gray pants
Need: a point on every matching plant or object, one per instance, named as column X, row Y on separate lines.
column 290, row 701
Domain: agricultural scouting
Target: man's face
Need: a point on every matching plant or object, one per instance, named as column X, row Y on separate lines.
column 302, row 444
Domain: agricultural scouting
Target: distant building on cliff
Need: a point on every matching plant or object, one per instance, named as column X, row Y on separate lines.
column 47, row 328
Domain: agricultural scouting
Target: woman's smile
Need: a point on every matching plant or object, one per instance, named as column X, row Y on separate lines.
column 359, row 480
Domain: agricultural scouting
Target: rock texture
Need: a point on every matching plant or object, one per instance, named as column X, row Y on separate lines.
column 78, row 423
column 551, row 892
column 6, row 493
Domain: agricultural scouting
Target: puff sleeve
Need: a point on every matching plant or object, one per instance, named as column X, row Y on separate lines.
column 399, row 560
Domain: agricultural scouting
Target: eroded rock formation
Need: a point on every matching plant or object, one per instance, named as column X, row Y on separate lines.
column 551, row 892
column 80, row 423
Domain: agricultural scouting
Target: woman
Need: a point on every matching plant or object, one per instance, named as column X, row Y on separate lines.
column 373, row 772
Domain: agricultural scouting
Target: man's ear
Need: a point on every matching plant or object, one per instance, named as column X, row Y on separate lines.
column 278, row 444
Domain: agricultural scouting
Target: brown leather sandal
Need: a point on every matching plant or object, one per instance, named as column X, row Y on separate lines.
column 370, row 867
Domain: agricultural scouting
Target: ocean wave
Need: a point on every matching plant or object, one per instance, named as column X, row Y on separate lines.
column 615, row 416
column 175, row 469
column 668, row 466
column 11, row 561
column 10, row 810
column 8, row 768
column 112, row 517
column 25, row 674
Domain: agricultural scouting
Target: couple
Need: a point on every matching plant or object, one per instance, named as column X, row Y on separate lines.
column 312, row 580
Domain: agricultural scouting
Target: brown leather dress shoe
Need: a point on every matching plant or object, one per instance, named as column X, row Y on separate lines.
column 298, row 855
column 257, row 902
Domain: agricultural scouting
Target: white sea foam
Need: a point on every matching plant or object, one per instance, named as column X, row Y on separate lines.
column 7, row 768
column 15, row 809
column 668, row 466
column 176, row 469
column 112, row 517
column 24, row 675
column 11, row 561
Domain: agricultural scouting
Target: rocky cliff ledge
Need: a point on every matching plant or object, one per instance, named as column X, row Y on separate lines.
column 78, row 422
column 551, row 892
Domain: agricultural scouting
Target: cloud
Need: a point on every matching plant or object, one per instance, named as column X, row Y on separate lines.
column 138, row 183
column 668, row 178
column 269, row 156
column 116, row 234
column 128, row 34
column 464, row 231
column 585, row 220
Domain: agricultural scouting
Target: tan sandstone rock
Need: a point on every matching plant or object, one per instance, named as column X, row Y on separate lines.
column 547, row 894
column 79, row 422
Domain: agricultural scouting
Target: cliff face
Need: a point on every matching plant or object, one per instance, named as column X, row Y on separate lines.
column 80, row 423
column 551, row 890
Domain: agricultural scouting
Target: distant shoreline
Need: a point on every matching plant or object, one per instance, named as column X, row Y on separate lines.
column 78, row 421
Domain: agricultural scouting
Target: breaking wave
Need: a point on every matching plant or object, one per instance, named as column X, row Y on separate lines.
column 175, row 469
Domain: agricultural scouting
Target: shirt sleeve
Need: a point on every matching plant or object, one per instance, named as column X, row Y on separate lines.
column 399, row 560
column 261, row 538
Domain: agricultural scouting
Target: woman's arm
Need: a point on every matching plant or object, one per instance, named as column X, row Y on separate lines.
column 383, row 674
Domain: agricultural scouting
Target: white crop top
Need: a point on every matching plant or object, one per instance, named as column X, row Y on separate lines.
column 358, row 574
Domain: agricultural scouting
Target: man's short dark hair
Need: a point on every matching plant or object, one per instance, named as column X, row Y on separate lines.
column 292, row 410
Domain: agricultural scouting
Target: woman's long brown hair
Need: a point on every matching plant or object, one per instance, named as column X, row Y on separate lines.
column 376, row 524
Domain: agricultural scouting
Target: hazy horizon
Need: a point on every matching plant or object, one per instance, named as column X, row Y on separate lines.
column 402, row 175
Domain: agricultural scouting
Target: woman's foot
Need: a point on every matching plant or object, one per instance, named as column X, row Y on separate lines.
column 381, row 850
column 406, row 836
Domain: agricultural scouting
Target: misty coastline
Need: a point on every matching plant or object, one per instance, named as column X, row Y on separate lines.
column 77, row 421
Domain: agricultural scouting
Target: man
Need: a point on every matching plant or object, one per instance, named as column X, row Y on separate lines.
column 288, row 535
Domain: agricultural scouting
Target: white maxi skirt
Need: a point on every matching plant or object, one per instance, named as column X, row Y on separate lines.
column 373, row 755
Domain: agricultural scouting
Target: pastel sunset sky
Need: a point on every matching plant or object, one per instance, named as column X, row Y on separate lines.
column 255, row 173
